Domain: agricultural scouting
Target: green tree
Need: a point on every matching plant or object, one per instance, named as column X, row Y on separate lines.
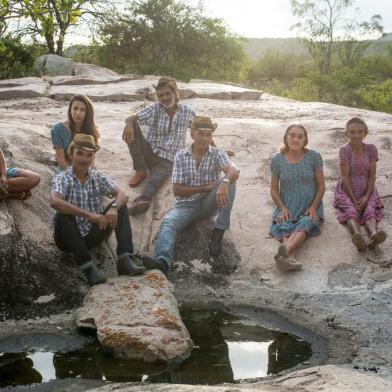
column 49, row 19
column 321, row 23
column 16, row 58
column 173, row 38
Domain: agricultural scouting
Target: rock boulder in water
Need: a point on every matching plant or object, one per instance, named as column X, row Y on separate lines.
column 137, row 318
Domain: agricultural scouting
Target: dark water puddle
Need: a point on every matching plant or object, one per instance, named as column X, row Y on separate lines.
column 227, row 349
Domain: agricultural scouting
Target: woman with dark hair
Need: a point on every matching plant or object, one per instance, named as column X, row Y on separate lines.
column 80, row 120
column 356, row 198
column 297, row 189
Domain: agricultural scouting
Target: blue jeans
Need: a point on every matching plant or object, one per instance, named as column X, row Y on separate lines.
column 184, row 213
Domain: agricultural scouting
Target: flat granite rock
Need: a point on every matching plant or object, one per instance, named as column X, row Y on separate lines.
column 137, row 318
column 22, row 88
column 327, row 378
column 118, row 88
column 214, row 90
column 132, row 90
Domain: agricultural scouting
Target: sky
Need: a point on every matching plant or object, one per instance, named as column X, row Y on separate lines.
column 273, row 18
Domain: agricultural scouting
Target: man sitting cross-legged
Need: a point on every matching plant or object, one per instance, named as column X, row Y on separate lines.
column 81, row 222
column 200, row 193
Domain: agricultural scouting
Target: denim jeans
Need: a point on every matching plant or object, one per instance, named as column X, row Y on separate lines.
column 144, row 158
column 67, row 236
column 184, row 213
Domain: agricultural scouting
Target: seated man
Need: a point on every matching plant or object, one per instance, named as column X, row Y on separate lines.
column 16, row 183
column 81, row 222
column 200, row 192
column 167, row 121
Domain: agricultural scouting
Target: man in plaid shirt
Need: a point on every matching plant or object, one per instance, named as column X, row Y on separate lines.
column 81, row 223
column 167, row 122
column 200, row 193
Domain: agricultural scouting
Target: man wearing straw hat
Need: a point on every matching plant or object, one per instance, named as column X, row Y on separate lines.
column 81, row 223
column 201, row 191
column 166, row 122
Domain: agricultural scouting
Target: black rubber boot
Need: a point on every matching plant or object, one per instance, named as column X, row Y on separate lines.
column 159, row 264
column 93, row 274
column 126, row 266
column 215, row 244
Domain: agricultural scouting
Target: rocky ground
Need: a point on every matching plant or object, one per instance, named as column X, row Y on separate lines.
column 340, row 294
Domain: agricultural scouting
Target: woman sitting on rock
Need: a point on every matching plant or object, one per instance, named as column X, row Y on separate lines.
column 297, row 188
column 80, row 120
column 16, row 183
column 356, row 197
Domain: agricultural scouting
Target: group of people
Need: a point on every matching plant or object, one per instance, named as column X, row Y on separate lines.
column 204, row 183
column 298, row 186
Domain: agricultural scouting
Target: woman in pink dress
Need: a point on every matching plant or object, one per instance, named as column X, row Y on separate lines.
column 356, row 198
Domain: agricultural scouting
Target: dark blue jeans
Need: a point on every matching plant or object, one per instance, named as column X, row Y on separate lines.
column 67, row 236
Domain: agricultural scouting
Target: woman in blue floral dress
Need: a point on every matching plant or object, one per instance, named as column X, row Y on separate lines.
column 297, row 189
column 80, row 120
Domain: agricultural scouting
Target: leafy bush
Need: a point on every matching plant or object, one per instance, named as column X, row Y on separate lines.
column 15, row 58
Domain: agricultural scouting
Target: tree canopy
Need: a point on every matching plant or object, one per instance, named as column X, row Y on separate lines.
column 170, row 37
column 328, row 31
column 47, row 19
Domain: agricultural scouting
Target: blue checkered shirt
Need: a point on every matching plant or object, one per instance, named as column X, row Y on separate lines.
column 164, row 140
column 186, row 172
column 87, row 197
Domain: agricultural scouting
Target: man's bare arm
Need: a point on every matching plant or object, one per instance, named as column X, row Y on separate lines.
column 128, row 132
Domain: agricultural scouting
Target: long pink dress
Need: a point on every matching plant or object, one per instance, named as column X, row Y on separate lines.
column 359, row 165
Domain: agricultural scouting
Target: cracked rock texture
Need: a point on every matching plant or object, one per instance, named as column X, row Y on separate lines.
column 340, row 294
column 137, row 318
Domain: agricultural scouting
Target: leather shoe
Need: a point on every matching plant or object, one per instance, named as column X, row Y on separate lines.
column 93, row 274
column 215, row 244
column 159, row 264
column 138, row 206
column 136, row 178
column 126, row 266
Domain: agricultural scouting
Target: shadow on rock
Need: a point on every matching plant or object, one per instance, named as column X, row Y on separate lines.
column 191, row 255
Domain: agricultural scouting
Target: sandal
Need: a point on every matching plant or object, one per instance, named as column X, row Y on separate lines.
column 287, row 263
column 377, row 239
column 359, row 242
column 25, row 195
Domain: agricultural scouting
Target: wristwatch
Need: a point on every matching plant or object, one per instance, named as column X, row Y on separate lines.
column 225, row 180
column 113, row 205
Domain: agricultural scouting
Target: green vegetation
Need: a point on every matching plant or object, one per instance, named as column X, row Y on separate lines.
column 16, row 58
column 169, row 37
column 335, row 68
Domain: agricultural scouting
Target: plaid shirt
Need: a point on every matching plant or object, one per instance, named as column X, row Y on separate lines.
column 87, row 197
column 186, row 172
column 166, row 139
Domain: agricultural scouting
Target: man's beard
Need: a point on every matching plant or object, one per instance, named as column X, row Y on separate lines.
column 170, row 106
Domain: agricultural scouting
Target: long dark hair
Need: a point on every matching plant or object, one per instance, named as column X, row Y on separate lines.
column 285, row 146
column 88, row 126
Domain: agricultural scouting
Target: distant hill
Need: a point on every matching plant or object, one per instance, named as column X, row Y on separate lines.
column 256, row 47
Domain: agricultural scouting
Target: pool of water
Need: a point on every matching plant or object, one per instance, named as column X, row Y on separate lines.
column 227, row 348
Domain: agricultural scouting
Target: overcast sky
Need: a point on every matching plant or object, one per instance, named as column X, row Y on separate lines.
column 273, row 18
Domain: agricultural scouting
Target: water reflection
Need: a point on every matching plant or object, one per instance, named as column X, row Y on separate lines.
column 226, row 350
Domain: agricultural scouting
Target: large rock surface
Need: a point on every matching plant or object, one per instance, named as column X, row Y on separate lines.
column 22, row 88
column 116, row 88
column 137, row 318
column 53, row 65
column 340, row 294
column 325, row 378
